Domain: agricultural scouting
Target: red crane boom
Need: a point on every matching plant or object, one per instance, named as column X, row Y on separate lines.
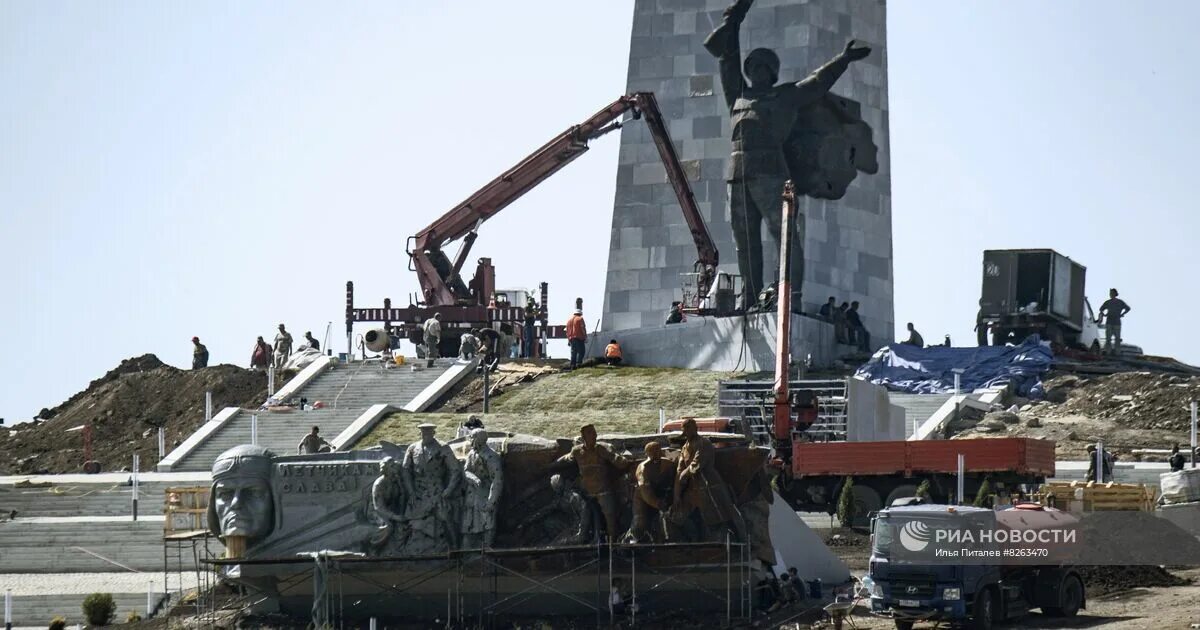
column 441, row 283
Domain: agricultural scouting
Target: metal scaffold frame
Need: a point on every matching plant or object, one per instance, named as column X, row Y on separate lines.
column 477, row 574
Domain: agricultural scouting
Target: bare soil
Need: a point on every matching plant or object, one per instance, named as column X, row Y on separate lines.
column 125, row 408
column 1127, row 411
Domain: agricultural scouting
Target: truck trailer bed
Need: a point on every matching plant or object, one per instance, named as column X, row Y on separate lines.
column 1026, row 456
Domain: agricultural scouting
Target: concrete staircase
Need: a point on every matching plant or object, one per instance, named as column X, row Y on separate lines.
column 91, row 499
column 359, row 385
column 347, row 393
column 280, row 432
column 36, row 611
column 917, row 407
column 54, row 545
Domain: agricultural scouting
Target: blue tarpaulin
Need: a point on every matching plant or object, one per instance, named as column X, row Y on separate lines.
column 904, row 368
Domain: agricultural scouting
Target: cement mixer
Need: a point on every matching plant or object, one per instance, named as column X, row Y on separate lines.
column 377, row 340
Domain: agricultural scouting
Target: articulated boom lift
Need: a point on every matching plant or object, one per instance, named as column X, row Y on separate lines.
column 473, row 304
column 440, row 277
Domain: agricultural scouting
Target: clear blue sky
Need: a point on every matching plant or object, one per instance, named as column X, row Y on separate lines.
column 211, row 169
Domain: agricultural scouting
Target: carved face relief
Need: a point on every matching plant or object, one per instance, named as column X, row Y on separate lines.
column 244, row 507
column 478, row 440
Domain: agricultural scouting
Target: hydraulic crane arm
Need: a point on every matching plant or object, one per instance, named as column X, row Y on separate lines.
column 439, row 277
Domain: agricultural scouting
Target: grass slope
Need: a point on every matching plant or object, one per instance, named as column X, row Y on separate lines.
column 623, row 400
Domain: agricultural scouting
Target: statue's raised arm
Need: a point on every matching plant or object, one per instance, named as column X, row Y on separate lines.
column 724, row 43
column 820, row 82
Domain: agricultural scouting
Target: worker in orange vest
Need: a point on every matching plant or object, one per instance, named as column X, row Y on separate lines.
column 577, row 337
column 612, row 353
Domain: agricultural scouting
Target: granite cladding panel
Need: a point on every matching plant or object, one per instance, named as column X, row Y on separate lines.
column 848, row 245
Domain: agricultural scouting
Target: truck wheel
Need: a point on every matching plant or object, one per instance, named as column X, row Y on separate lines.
column 983, row 617
column 903, row 625
column 1070, row 598
column 866, row 500
column 901, row 492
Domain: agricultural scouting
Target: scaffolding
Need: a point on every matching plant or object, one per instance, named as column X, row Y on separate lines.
column 487, row 588
column 187, row 547
column 821, row 402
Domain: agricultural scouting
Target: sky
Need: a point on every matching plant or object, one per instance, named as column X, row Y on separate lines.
column 173, row 169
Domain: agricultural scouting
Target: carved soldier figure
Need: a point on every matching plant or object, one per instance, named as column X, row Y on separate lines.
column 569, row 502
column 387, row 501
column 241, row 504
column 431, row 477
column 698, row 485
column 655, row 478
column 763, row 116
column 597, row 467
column 484, row 481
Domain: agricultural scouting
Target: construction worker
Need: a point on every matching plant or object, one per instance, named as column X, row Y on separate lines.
column 914, row 337
column 577, row 337
column 675, row 315
column 312, row 342
column 1109, row 463
column 468, row 345
column 858, row 332
column 283, row 347
column 531, row 313
column 432, row 330
column 1176, row 460
column 827, row 309
column 260, row 356
column 1113, row 310
column 612, row 353
column 313, row 443
column 199, row 354
column 839, row 323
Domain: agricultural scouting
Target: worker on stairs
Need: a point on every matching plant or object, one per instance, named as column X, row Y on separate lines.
column 432, row 330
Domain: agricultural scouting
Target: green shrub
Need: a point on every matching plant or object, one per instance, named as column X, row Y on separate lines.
column 846, row 506
column 983, row 498
column 923, row 491
column 58, row 623
column 132, row 617
column 99, row 608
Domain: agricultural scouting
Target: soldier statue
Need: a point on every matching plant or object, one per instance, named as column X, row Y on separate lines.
column 782, row 131
column 387, row 502
column 431, row 477
column 652, row 496
column 699, row 487
column 483, row 476
column 597, row 468
column 570, row 503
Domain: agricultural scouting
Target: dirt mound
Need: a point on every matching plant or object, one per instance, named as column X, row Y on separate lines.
column 1110, row 579
column 125, row 407
column 1136, row 400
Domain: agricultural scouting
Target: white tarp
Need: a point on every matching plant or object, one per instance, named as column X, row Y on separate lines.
column 798, row 546
column 301, row 359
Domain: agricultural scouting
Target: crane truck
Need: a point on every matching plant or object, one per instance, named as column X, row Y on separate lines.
column 466, row 304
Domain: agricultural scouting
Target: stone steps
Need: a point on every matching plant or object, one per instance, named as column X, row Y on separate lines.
column 37, row 610
column 280, row 432
column 54, row 546
column 352, row 388
column 358, row 386
column 917, row 407
column 84, row 500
